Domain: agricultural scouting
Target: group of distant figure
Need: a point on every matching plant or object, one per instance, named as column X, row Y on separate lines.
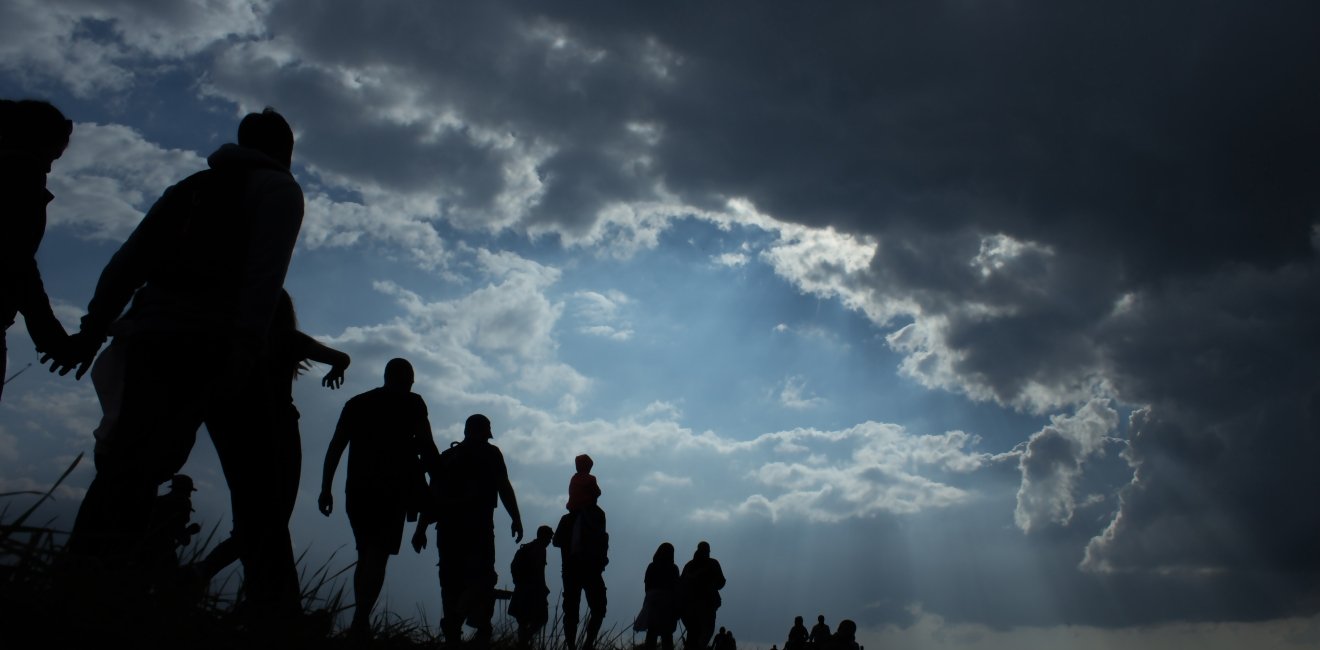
column 820, row 638
column 201, row 278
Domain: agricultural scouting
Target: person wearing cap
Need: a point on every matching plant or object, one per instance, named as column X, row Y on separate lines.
column 387, row 433
column 170, row 528
column 468, row 483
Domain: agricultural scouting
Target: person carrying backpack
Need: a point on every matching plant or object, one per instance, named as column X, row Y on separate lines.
column 469, row 481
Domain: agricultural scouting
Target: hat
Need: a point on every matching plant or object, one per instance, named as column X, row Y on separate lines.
column 182, row 482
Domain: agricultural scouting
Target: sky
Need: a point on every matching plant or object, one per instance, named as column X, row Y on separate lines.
column 985, row 324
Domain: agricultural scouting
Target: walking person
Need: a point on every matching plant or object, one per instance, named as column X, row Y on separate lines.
column 388, row 436
column 203, row 270
column 583, row 544
column 469, row 481
column 661, row 603
column 530, row 605
column 699, row 594
column 283, row 361
column 33, row 135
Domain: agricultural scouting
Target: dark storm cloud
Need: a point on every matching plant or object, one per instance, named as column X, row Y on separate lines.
column 1112, row 199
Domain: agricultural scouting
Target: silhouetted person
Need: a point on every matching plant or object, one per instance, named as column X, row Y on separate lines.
column 584, row 545
column 470, row 481
column 845, row 638
column 797, row 635
column 203, row 270
column 530, row 604
column 284, row 359
column 661, row 604
column 33, row 135
column 724, row 640
column 388, row 436
column 699, row 594
column 171, row 527
column 582, row 488
column 820, row 632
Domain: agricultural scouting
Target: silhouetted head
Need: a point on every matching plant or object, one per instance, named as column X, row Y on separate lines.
column 664, row 554
column 182, row 483
column 797, row 620
column 820, row 618
column 268, row 133
column 544, row 534
column 722, row 630
column 847, row 629
column 399, row 374
column 703, row 551
column 583, row 463
column 477, row 427
column 36, row 127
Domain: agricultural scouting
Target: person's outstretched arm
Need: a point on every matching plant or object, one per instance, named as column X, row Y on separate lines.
column 314, row 350
column 338, row 443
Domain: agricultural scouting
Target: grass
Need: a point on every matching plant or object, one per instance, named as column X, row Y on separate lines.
column 48, row 601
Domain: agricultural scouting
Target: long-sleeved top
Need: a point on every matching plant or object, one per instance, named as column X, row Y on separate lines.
column 211, row 254
column 23, row 200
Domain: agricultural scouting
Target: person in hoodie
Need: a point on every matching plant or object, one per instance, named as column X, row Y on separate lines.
column 583, row 490
column 33, row 135
column 204, row 270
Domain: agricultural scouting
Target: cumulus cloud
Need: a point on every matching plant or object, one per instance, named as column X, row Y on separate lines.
column 657, row 480
column 99, row 46
column 108, row 178
column 500, row 330
column 1053, row 462
column 862, row 471
column 1143, row 232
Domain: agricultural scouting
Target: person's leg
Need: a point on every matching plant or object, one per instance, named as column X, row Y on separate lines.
column 249, row 446
column 596, row 602
column 572, row 602
column 149, row 443
column 481, row 581
column 451, row 583
column 368, row 579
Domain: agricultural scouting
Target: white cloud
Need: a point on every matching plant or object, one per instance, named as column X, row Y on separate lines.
column 54, row 38
column 600, row 314
column 658, row 481
column 108, row 178
column 731, row 260
column 1053, row 462
column 857, row 472
column 793, row 395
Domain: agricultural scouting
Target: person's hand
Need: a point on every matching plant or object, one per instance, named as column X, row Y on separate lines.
column 517, row 531
column 76, row 351
column 334, row 379
column 419, row 539
column 326, row 503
